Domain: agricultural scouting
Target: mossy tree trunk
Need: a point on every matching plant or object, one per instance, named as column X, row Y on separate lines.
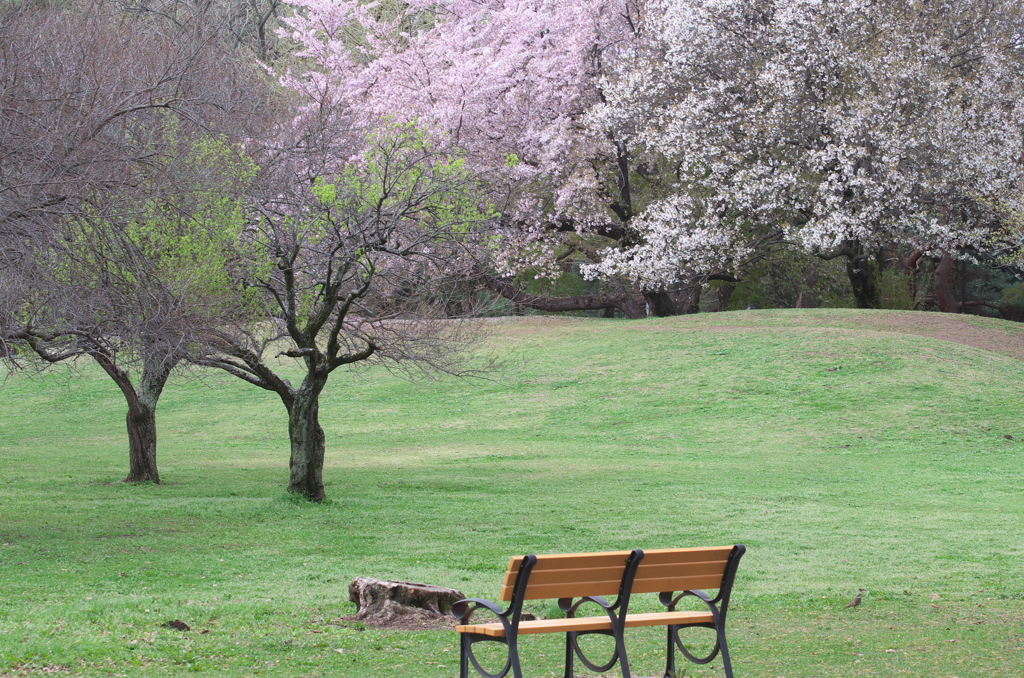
column 306, row 464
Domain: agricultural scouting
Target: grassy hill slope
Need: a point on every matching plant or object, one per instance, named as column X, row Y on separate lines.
column 847, row 449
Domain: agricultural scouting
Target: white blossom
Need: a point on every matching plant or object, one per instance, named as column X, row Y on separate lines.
column 871, row 122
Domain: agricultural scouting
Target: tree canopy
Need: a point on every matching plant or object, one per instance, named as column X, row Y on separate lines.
column 842, row 128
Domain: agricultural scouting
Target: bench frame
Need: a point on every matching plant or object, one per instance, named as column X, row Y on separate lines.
column 512, row 624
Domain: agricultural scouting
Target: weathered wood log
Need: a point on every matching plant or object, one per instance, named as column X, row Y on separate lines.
column 386, row 603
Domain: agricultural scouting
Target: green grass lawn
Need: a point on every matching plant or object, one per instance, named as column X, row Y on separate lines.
column 845, row 449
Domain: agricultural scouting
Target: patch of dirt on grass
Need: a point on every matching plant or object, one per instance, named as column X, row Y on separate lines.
column 990, row 334
column 36, row 670
column 404, row 624
column 959, row 329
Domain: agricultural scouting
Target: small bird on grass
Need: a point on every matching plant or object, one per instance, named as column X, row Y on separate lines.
column 856, row 601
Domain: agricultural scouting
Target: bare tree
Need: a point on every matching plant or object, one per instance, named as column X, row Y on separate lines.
column 355, row 237
column 138, row 293
column 84, row 95
column 242, row 24
column 115, row 193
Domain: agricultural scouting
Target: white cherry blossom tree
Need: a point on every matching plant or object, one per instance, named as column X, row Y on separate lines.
column 841, row 128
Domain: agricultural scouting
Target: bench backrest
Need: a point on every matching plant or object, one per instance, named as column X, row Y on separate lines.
column 681, row 569
column 569, row 575
column 572, row 575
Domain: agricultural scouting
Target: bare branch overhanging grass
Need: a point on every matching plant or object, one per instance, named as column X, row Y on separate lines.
column 845, row 449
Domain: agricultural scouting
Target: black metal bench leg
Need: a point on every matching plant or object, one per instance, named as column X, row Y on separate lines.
column 620, row 653
column 570, row 655
column 670, row 657
column 513, row 653
column 463, row 656
column 620, row 646
column 465, row 650
column 724, row 649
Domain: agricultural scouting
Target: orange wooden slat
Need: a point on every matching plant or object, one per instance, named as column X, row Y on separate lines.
column 579, row 575
column 541, row 626
column 581, row 560
column 570, row 590
column 651, row 571
column 556, row 557
column 495, row 630
column 690, row 555
column 659, row 584
column 510, row 576
column 610, row 587
column 668, row 618
column 569, row 568
column 564, row 561
column 660, row 570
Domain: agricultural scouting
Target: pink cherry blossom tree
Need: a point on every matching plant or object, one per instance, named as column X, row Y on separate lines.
column 510, row 82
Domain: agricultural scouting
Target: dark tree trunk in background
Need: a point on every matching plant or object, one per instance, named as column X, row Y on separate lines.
column 682, row 300
column 863, row 278
column 687, row 299
column 911, row 264
column 807, row 297
column 725, row 295
column 943, row 284
column 660, row 304
column 306, row 465
column 622, row 300
column 860, row 270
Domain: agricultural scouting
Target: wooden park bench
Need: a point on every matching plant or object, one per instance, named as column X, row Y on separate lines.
column 579, row 578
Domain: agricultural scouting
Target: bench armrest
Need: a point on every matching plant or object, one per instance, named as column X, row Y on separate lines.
column 666, row 597
column 464, row 609
column 569, row 608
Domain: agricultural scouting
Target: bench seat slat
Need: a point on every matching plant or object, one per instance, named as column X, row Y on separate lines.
column 495, row 630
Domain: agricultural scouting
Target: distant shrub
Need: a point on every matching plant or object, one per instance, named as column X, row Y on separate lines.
column 1012, row 303
column 895, row 290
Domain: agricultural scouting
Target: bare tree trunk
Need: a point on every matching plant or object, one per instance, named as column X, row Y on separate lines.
column 682, row 300
column 862, row 280
column 307, row 440
column 141, row 417
column 725, row 296
column 911, row 264
column 141, row 420
column 862, row 275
